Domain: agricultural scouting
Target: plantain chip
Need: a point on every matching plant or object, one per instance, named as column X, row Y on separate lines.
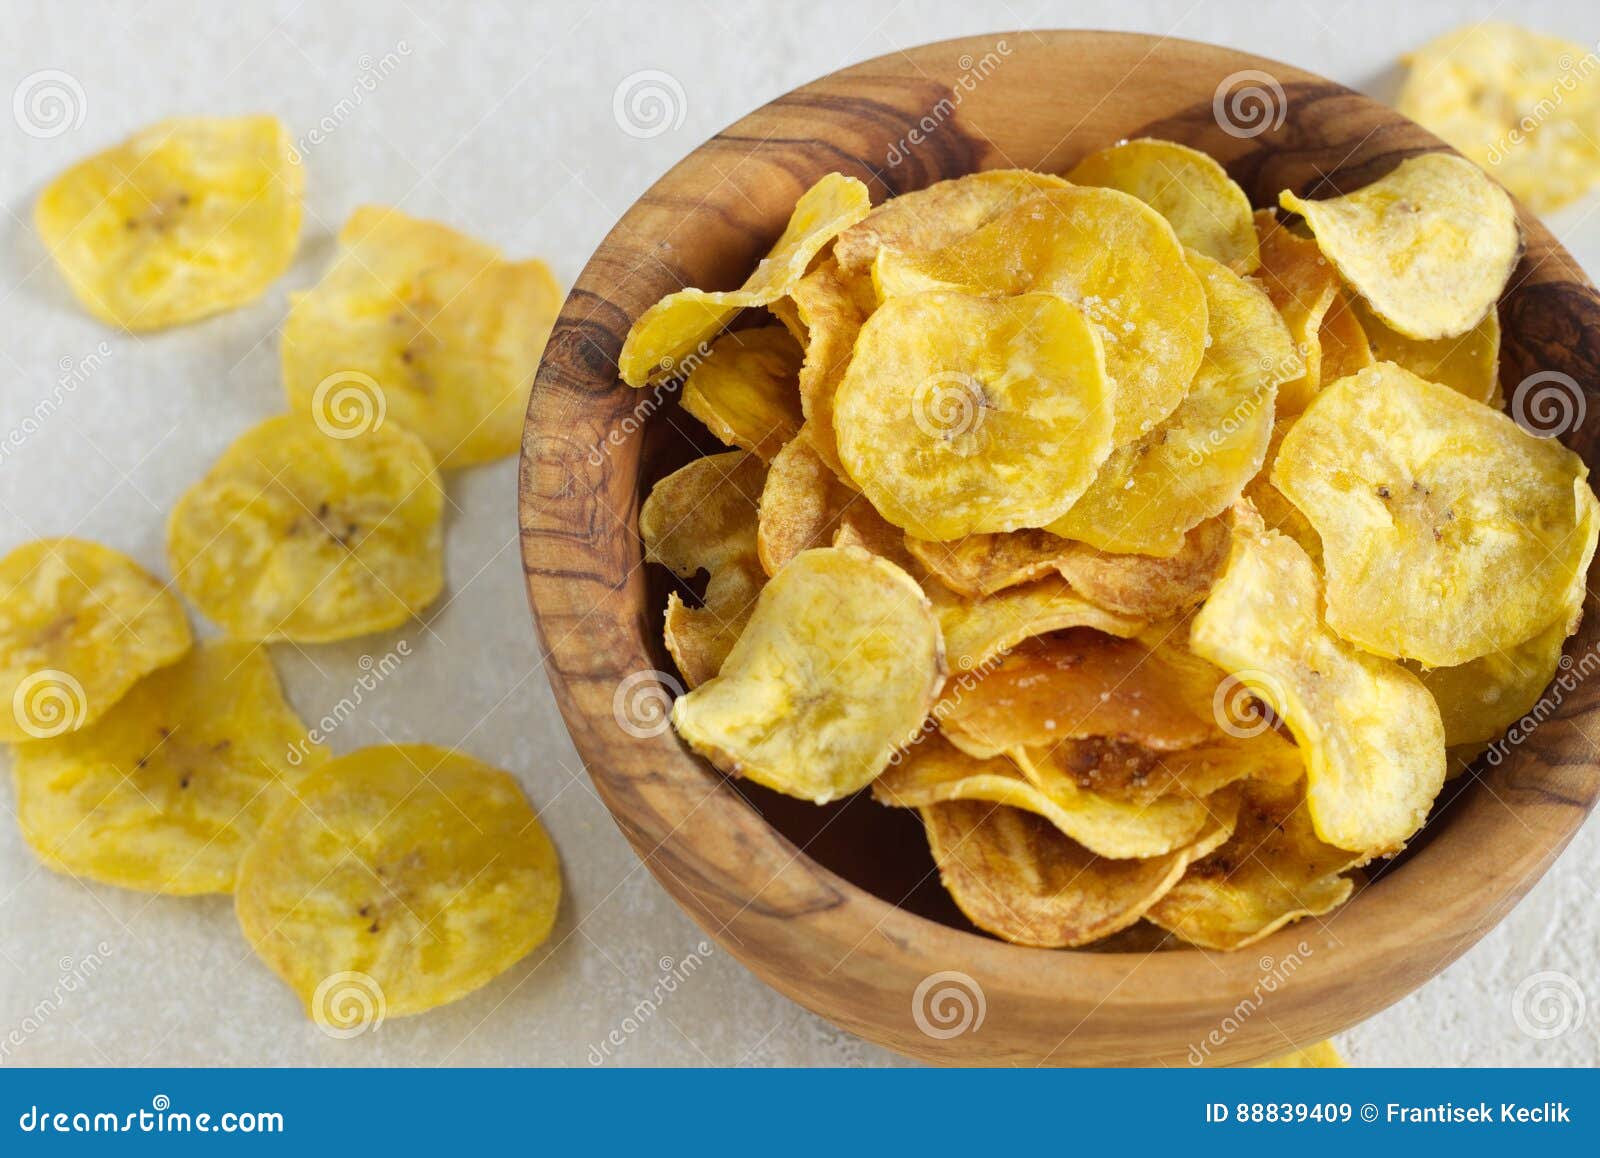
column 80, row 624
column 166, row 791
column 1077, row 242
column 833, row 318
column 1206, row 208
column 1146, row 587
column 1369, row 732
column 420, row 324
column 979, row 565
column 977, row 630
column 836, row 669
column 680, row 325
column 296, row 535
column 190, row 217
column 419, row 868
column 1015, row 875
column 1271, row 871
column 1151, row 492
column 1302, row 285
column 1276, row 511
column 801, row 504
column 1448, row 531
column 747, row 390
column 1429, row 246
column 1342, row 341
column 1322, row 1056
column 1521, row 104
column 934, row 771
column 962, row 414
column 1469, row 364
column 1130, row 771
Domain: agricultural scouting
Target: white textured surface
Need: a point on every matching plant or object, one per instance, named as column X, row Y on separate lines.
column 498, row 118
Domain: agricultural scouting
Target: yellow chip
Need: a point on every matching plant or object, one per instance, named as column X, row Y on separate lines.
column 424, row 326
column 405, row 875
column 1153, row 490
column 1276, row 511
column 932, row 218
column 962, row 414
column 1015, row 875
column 1429, row 246
column 1302, row 285
column 836, row 669
column 1271, row 871
column 1147, row 587
column 1343, row 341
column 1468, row 364
column 1207, row 209
column 1129, row 771
column 80, row 624
column 1368, row 730
column 934, row 771
column 978, row 565
column 801, row 503
column 1322, row 1056
column 1077, row 242
column 1521, row 104
column 169, row 788
column 188, row 218
column 747, row 390
column 681, row 324
column 977, row 630
column 703, row 518
column 294, row 534
column 832, row 317
column 1448, row 531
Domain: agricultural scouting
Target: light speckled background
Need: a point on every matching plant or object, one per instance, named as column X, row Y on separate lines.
column 498, row 118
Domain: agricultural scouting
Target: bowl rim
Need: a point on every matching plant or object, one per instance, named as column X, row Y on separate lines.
column 679, row 815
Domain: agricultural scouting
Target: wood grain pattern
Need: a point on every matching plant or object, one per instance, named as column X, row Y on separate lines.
column 835, row 907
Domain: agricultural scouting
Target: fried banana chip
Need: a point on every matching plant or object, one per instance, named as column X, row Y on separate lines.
column 1429, row 246
column 1521, row 104
column 1077, row 242
column 977, row 630
column 747, row 390
column 294, row 534
column 1276, row 511
column 1302, row 285
column 836, row 669
column 1447, row 530
column 934, row 771
column 979, row 565
column 188, row 218
column 703, row 518
column 1369, row 732
column 1015, row 875
column 166, row 791
column 1271, row 871
column 962, row 414
column 832, row 317
column 425, row 326
column 421, row 871
column 1206, row 208
column 1343, row 341
column 1322, row 1056
column 1132, row 772
column 682, row 323
column 1147, row 587
column 801, row 504
column 928, row 219
column 1469, row 364
column 1152, row 491
column 80, row 624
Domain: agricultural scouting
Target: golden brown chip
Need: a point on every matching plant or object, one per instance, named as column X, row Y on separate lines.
column 1076, row 242
column 1468, row 364
column 801, row 504
column 1302, row 285
column 1429, row 246
column 1322, row 1056
column 296, row 534
column 1276, row 511
column 833, row 317
column 1271, row 871
column 1147, row 587
column 406, row 875
column 80, row 624
column 1343, row 341
column 836, row 669
column 1130, row 771
column 747, row 390
column 681, row 325
column 187, row 218
column 167, row 790
column 977, row 630
column 1368, row 730
column 1207, row 209
column 424, row 326
column 978, row 565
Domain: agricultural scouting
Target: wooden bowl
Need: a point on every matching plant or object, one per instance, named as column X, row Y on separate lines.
column 839, row 907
